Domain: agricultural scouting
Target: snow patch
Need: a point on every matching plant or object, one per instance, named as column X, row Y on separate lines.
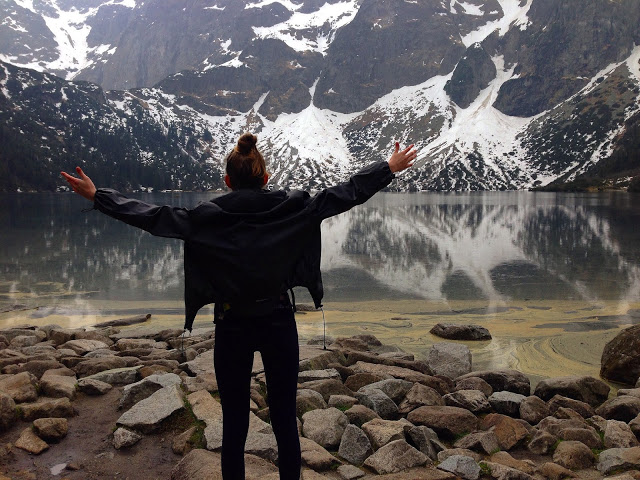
column 512, row 14
column 214, row 7
column 289, row 5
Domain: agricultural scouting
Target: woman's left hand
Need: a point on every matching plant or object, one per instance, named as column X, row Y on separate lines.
column 82, row 186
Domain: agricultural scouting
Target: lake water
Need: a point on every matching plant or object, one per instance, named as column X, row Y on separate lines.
column 540, row 270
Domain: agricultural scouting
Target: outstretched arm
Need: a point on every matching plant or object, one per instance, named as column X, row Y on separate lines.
column 83, row 185
column 402, row 159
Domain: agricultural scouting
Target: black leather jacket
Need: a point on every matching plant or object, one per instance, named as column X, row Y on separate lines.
column 248, row 245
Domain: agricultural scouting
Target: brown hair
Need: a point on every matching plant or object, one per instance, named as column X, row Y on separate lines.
column 245, row 164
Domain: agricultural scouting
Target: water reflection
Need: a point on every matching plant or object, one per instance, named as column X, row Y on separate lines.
column 493, row 246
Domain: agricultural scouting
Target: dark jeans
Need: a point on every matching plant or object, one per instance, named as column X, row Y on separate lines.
column 276, row 338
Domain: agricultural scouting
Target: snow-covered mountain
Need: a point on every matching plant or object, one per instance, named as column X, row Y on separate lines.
column 497, row 94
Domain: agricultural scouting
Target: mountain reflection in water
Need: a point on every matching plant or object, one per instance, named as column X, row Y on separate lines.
column 492, row 246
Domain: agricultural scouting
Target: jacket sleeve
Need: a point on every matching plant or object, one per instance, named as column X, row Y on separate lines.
column 162, row 221
column 360, row 188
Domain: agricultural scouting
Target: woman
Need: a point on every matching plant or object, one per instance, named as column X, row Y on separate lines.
column 243, row 252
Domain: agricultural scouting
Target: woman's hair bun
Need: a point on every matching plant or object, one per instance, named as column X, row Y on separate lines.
column 246, row 143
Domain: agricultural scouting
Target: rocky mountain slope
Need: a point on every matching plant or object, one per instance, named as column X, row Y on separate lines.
column 497, row 94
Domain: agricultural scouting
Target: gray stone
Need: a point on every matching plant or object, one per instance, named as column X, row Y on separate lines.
column 205, row 408
column 181, row 444
column 93, row 387
column 426, row 440
column 30, row 442
column 553, row 471
column 378, row 401
column 506, row 403
column 20, row 387
column 420, row 396
column 381, row 432
column 445, row 421
column 473, row 400
column 619, row 459
column 554, row 425
column 117, row 376
column 91, row 366
column 316, row 457
column 35, row 367
column 134, row 392
column 473, row 383
column 533, row 409
column 582, row 408
column 504, row 458
column 60, row 336
column 146, row 415
column 328, row 387
column 402, row 373
column 262, row 445
column 21, row 341
column 81, row 347
column 453, row 331
column 624, row 408
column 500, row 380
column 213, row 436
column 356, row 381
column 307, row 400
column 586, row 435
column 123, row 438
column 52, row 429
column 201, row 365
column 124, row 344
column 449, row 359
column 47, row 407
column 325, row 427
column 11, row 333
column 573, row 455
column 310, row 375
column 395, row 457
column 394, row 388
column 503, row 472
column 462, row 466
column 509, row 431
column 620, row 360
column 541, row 443
column 634, row 392
column 58, row 386
column 483, row 442
column 359, row 415
column 342, row 402
column 450, row 452
column 349, row 472
column 618, row 434
column 635, row 426
column 583, row 388
column 8, row 414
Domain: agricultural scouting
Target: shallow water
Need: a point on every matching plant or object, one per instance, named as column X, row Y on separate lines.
column 553, row 276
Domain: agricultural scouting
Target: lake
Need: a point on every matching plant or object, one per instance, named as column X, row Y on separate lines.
column 553, row 276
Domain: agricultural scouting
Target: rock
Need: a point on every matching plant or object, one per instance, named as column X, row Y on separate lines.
column 394, row 388
column 473, row 400
column 453, row 331
column 325, row 427
column 347, row 343
column 47, row 407
column 619, row 459
column 381, row 432
column 450, row 452
column 30, row 442
column 206, row 408
column 124, row 344
column 586, row 435
column 38, row 367
column 329, row 387
column 402, row 373
column 541, row 443
column 503, row 472
column 635, row 426
column 359, row 415
column 378, row 401
column 426, row 440
column 134, row 392
column 201, row 464
column 582, row 408
column 123, row 438
column 82, row 347
column 316, row 457
column 325, row 374
column 8, row 414
column 262, row 445
column 449, row 359
column 58, row 386
column 464, row 467
column 506, row 403
column 117, row 376
column 420, row 396
column 307, row 400
column 52, row 429
column 503, row 380
column 181, row 444
column 11, row 333
column 445, row 421
column 573, row 455
column 533, row 409
column 583, row 388
column 624, row 408
column 349, row 472
column 618, row 434
column 483, row 442
column 598, row 423
column 620, row 360
column 503, row 458
column 92, row 366
column 634, row 392
column 473, row 383
column 146, row 415
column 509, row 431
column 553, row 471
column 395, row 457
column 206, row 382
column 93, row 387
column 342, row 402
column 358, row 380
column 20, row 387
column 21, row 341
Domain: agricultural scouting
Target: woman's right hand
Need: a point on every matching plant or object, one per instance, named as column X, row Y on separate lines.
column 82, row 186
column 402, row 159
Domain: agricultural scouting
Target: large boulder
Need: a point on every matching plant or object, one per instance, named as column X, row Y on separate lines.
column 420, row 396
column 84, row 346
column 30, row 442
column 47, row 407
column 573, row 455
column 509, row 431
column 52, row 429
column 582, row 408
column 462, row 466
column 584, row 388
column 378, row 401
column 316, row 457
column 91, row 366
column 117, row 376
column 325, row 427
column 395, row 457
column 147, row 415
column 307, row 400
column 449, row 359
column 453, row 331
column 506, row 403
column 483, row 442
column 402, row 373
column 134, row 392
column 618, row 434
column 500, row 380
column 355, row 445
column 615, row 459
column 624, row 408
column 445, row 421
column 359, row 415
column 620, row 360
column 20, row 387
column 381, row 432
column 8, row 414
column 473, row 400
column 426, row 440
column 533, row 409
column 394, row 388
column 58, row 386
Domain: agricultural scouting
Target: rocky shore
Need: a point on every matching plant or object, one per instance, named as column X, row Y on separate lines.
column 141, row 403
